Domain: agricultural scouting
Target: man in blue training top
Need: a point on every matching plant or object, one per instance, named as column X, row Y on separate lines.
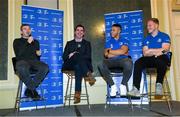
column 155, row 50
column 116, row 54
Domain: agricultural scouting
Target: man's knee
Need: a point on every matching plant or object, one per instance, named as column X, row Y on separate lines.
column 100, row 66
column 139, row 61
column 44, row 67
column 128, row 65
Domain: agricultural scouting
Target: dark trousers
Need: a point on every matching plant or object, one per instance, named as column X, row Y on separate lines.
column 125, row 64
column 160, row 63
column 24, row 69
column 80, row 66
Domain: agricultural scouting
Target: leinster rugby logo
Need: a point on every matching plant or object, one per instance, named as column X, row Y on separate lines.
column 159, row 40
column 147, row 42
column 120, row 43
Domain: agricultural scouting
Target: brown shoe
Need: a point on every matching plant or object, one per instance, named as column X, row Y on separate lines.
column 89, row 78
column 92, row 81
column 77, row 97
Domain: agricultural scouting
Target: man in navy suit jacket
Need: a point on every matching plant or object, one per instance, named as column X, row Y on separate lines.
column 77, row 57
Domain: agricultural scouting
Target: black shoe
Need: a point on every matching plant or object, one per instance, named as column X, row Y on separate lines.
column 124, row 96
column 36, row 96
column 28, row 93
column 112, row 96
column 32, row 94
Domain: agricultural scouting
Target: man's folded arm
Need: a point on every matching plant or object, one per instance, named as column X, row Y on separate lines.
column 156, row 52
column 122, row 51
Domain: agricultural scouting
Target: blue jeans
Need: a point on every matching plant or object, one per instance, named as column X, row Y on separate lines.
column 80, row 66
column 24, row 68
column 125, row 64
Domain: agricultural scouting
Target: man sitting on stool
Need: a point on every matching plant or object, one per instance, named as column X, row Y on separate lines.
column 77, row 57
column 27, row 54
column 116, row 52
column 155, row 51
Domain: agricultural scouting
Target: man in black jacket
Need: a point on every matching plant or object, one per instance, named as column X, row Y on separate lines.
column 77, row 57
column 27, row 53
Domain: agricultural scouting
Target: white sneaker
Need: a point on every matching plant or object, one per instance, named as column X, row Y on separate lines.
column 159, row 89
column 123, row 90
column 113, row 90
column 134, row 92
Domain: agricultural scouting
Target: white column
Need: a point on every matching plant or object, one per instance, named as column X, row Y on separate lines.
column 162, row 10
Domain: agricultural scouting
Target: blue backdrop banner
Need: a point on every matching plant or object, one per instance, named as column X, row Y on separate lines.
column 47, row 27
column 133, row 30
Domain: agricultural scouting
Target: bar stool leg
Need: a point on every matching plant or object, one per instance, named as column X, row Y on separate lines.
column 142, row 95
column 167, row 93
column 129, row 99
column 87, row 94
column 150, row 90
column 20, row 91
column 107, row 97
column 66, row 94
column 43, row 98
column 70, row 89
column 17, row 97
column 168, row 89
column 36, row 105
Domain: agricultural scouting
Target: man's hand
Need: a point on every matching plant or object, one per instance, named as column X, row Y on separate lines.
column 38, row 52
column 106, row 52
column 156, row 52
column 159, row 53
column 30, row 40
column 111, row 56
column 71, row 54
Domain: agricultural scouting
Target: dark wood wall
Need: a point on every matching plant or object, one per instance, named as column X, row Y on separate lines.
column 90, row 13
column 3, row 38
